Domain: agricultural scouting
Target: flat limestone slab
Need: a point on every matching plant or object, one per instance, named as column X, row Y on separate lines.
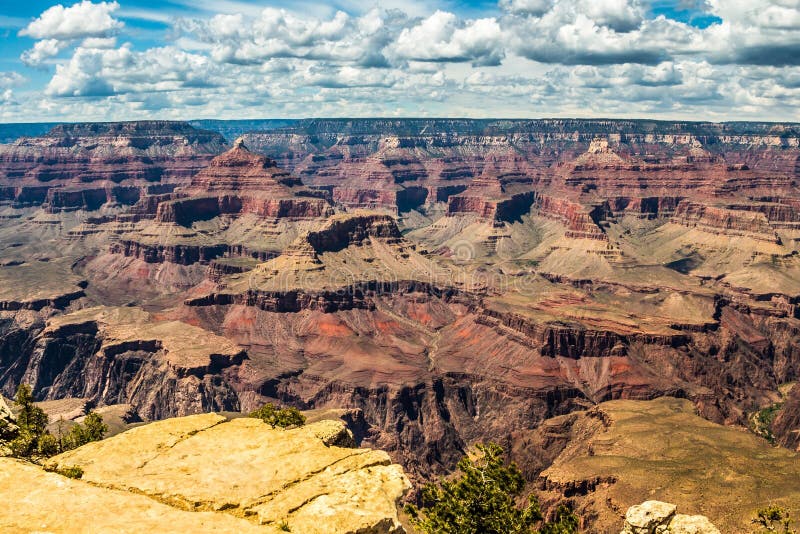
column 246, row 469
column 36, row 501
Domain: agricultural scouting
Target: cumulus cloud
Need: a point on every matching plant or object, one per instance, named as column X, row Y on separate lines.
column 528, row 7
column 278, row 33
column 10, row 79
column 597, row 32
column 41, row 51
column 75, row 22
column 533, row 57
column 58, row 27
column 443, row 38
column 757, row 32
column 104, row 72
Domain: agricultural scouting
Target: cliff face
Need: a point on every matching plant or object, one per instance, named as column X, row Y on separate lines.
column 729, row 221
column 511, row 272
column 120, row 355
column 633, row 159
column 77, row 157
column 204, row 473
column 787, row 422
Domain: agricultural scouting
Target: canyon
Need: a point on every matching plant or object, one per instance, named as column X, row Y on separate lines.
column 449, row 282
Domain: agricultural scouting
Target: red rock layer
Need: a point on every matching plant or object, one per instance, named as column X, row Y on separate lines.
column 575, row 217
column 723, row 220
column 80, row 156
column 238, row 182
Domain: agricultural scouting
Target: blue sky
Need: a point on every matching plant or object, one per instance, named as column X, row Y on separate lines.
column 132, row 59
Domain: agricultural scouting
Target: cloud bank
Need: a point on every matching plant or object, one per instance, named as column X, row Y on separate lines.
column 522, row 58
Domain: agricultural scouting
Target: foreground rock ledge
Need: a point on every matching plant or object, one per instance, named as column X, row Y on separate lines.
column 205, row 473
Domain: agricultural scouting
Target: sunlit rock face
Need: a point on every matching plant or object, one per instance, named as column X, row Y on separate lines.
column 203, row 472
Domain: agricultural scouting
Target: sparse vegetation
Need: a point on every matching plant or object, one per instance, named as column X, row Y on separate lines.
column 72, row 471
column 761, row 421
column 773, row 518
column 33, row 440
column 482, row 499
column 284, row 526
column 279, row 417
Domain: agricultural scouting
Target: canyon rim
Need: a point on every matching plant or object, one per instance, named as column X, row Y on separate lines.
column 300, row 322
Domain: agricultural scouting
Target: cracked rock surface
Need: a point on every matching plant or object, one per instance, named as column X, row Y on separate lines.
column 239, row 476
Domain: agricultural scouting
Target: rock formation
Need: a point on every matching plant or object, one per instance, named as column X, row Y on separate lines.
column 80, row 166
column 451, row 281
column 622, row 452
column 204, row 472
column 655, row 516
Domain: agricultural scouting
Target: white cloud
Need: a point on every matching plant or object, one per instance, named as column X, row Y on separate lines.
column 103, row 72
column 41, row 51
column 278, row 33
column 442, row 37
column 99, row 42
column 530, row 7
column 58, row 27
column 75, row 22
column 598, row 32
column 9, row 79
column 756, row 32
column 537, row 57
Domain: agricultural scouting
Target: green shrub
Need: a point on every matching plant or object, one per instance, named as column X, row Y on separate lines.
column 280, row 417
column 72, row 471
column 482, row 500
column 564, row 522
column 773, row 518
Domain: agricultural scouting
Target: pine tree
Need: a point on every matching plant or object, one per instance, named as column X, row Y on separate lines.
column 32, row 439
column 482, row 500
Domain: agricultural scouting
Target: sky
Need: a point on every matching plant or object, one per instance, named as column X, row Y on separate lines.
column 236, row 59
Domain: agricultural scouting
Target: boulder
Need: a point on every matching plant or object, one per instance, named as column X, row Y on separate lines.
column 646, row 517
column 656, row 517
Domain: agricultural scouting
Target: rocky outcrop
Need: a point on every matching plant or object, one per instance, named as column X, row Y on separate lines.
column 181, row 254
column 342, row 232
column 68, row 199
column 488, row 198
column 239, row 182
column 574, row 340
column 653, row 517
column 577, row 219
column 623, row 452
column 726, row 221
column 306, row 478
column 202, row 473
